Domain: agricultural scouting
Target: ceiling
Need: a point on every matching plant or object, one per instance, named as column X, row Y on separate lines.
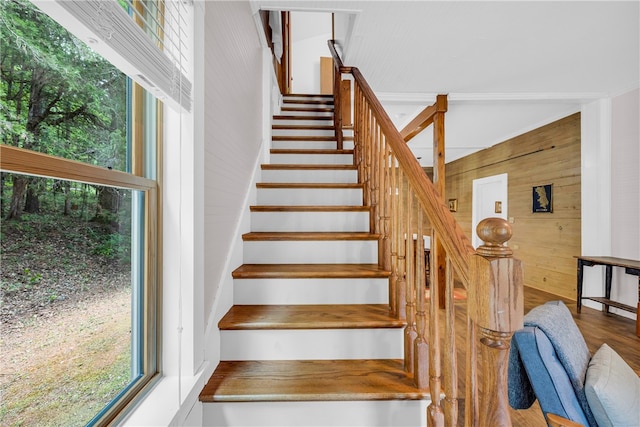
column 507, row 66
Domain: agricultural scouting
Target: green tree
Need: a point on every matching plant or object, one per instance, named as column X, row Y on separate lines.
column 57, row 96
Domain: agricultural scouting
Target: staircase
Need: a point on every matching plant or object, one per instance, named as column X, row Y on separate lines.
column 310, row 340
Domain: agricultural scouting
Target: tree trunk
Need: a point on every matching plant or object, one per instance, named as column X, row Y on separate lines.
column 20, row 184
column 66, row 190
column 109, row 200
column 3, row 177
column 32, row 203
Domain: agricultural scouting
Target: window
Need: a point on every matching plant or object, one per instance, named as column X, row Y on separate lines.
column 79, row 160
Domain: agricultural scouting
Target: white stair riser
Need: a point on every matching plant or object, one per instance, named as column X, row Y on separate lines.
column 310, row 291
column 312, row 159
column 310, row 196
column 302, row 132
column 362, row 413
column 310, row 221
column 322, row 121
column 310, row 252
column 311, row 344
column 310, row 145
column 310, row 176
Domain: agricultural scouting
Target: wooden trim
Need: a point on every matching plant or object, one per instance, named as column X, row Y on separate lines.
column 159, row 267
column 558, row 421
column 424, row 118
column 137, row 129
column 18, row 160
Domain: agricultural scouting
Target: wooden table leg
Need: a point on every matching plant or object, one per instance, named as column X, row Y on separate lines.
column 580, row 275
column 607, row 285
column 638, row 311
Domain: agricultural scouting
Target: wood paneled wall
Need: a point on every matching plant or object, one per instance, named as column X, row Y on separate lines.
column 545, row 242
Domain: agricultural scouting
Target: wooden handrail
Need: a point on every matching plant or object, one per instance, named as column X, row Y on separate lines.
column 455, row 242
column 399, row 193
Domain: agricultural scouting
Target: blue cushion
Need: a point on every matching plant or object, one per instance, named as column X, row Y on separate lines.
column 561, row 351
column 555, row 320
column 547, row 376
column 561, row 382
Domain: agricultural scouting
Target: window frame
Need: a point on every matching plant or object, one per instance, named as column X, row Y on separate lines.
column 22, row 161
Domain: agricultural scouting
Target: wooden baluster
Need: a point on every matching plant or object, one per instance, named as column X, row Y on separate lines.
column 421, row 347
column 366, row 148
column 375, row 190
column 496, row 304
column 435, row 416
column 393, row 278
column 472, row 403
column 450, row 404
column 363, row 154
column 383, row 190
column 359, row 134
column 410, row 332
column 401, row 289
column 357, row 130
column 385, row 209
column 337, row 106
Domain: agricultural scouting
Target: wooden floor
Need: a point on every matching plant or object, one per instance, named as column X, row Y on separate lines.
column 597, row 328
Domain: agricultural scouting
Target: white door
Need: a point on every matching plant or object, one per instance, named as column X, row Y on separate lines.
column 489, row 200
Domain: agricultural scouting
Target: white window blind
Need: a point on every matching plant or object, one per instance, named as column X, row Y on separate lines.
column 150, row 40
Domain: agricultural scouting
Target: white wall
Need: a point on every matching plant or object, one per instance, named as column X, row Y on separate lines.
column 233, row 128
column 625, row 191
column 611, row 192
column 309, row 34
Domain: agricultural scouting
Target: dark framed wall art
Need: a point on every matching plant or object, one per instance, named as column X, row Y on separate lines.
column 542, row 198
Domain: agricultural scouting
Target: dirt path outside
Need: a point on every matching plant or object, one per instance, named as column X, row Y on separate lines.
column 60, row 368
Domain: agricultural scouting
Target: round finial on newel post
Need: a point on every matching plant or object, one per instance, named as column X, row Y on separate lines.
column 494, row 232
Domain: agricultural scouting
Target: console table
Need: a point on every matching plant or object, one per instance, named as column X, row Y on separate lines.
column 630, row 267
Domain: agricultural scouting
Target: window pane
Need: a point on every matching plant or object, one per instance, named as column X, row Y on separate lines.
column 57, row 96
column 67, row 285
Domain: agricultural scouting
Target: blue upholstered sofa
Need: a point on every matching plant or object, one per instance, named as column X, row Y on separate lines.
column 550, row 361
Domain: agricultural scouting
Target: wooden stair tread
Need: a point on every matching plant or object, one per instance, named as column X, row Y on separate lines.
column 302, row 208
column 327, row 101
column 308, row 151
column 307, row 108
column 310, row 380
column 293, row 271
column 309, row 316
column 302, row 127
column 294, row 117
column 271, row 166
column 310, row 235
column 339, row 185
column 308, row 95
column 310, row 138
column 303, row 138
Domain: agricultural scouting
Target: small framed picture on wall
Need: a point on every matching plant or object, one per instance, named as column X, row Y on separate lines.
column 542, row 196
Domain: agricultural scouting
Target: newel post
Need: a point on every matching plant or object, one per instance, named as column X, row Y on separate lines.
column 496, row 305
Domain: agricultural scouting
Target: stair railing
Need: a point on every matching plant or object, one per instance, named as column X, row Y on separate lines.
column 400, row 195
